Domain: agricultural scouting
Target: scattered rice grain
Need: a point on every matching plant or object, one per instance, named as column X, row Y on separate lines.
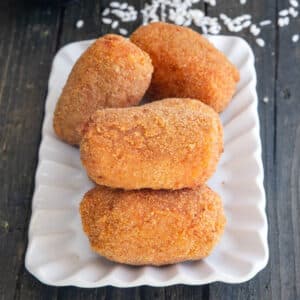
column 119, row 13
column 266, row 99
column 105, row 12
column 106, row 20
column 255, row 30
column 123, row 31
column 79, row 24
column 265, row 23
column 293, row 12
column 246, row 24
column 295, row 38
column 294, row 3
column 183, row 12
column 260, row 42
column 124, row 5
column 114, row 24
column 283, row 21
column 115, row 4
column 211, row 2
column 283, row 12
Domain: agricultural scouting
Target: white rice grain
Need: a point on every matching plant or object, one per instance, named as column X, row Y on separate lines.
column 254, row 30
column 114, row 24
column 211, row 2
column 294, row 3
column 265, row 23
column 123, row 31
column 119, row 13
column 115, row 4
column 184, row 12
column 260, row 42
column 246, row 24
column 105, row 12
column 295, row 38
column 293, row 12
column 266, row 99
column 283, row 13
column 283, row 21
column 124, row 5
column 79, row 24
column 106, row 20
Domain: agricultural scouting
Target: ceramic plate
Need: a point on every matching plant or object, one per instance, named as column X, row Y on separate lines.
column 58, row 252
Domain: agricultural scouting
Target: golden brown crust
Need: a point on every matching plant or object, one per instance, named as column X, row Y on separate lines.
column 152, row 227
column 167, row 144
column 112, row 72
column 186, row 65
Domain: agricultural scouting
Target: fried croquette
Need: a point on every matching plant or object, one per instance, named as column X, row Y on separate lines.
column 112, row 72
column 186, row 65
column 148, row 227
column 167, row 144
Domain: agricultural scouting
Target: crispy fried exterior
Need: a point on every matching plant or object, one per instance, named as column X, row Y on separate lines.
column 167, row 144
column 186, row 65
column 112, row 72
column 149, row 227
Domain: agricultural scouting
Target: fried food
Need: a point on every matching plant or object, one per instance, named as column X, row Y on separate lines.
column 167, row 144
column 186, row 65
column 148, row 227
column 112, row 72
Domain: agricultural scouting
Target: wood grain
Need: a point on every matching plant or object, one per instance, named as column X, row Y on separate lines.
column 287, row 150
column 30, row 34
column 27, row 45
column 265, row 284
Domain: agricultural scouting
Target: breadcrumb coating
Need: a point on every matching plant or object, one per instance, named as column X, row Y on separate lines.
column 167, row 144
column 186, row 65
column 148, row 227
column 112, row 72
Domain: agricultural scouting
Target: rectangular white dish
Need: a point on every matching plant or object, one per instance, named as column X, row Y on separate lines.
column 58, row 252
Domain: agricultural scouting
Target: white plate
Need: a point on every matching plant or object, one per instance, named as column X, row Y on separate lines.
column 58, row 252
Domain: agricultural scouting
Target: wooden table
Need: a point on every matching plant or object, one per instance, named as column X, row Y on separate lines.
column 30, row 35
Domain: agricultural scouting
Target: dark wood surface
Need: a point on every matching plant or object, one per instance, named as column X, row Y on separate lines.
column 30, row 35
